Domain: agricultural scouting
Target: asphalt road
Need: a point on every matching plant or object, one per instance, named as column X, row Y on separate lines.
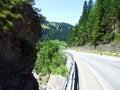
column 97, row 72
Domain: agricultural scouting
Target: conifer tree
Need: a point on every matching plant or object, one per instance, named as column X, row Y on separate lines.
column 90, row 5
column 99, row 24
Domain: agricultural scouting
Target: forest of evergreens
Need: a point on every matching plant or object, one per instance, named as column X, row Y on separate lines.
column 56, row 31
column 99, row 24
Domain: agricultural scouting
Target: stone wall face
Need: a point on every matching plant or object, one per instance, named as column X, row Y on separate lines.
column 105, row 48
column 109, row 47
column 17, row 55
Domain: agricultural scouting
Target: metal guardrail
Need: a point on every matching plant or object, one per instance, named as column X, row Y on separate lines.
column 71, row 82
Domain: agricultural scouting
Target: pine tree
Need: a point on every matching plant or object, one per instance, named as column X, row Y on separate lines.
column 99, row 24
column 90, row 5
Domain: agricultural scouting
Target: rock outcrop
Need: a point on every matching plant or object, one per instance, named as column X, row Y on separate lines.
column 17, row 52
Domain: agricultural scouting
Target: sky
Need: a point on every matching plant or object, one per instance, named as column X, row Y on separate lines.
column 68, row 11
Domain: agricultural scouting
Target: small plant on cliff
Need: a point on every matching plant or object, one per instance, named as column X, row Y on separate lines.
column 8, row 15
column 49, row 59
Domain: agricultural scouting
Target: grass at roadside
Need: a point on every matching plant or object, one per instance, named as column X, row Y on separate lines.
column 108, row 53
column 117, row 54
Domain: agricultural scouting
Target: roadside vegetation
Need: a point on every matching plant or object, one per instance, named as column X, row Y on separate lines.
column 50, row 59
column 117, row 54
column 106, row 53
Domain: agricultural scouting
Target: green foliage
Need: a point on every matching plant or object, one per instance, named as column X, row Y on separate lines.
column 54, row 30
column 7, row 15
column 80, row 36
column 50, row 59
column 98, row 25
column 117, row 38
column 5, row 12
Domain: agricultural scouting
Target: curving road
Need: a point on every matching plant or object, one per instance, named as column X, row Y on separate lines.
column 97, row 72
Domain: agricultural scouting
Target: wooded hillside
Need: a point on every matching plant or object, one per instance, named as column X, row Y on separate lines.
column 99, row 24
column 55, row 30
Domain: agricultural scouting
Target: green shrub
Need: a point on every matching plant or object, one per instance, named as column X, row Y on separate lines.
column 49, row 58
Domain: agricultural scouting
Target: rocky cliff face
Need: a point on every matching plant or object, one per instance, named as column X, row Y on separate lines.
column 17, row 52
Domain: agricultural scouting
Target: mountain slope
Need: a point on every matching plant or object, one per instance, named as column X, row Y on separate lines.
column 99, row 24
column 55, row 30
